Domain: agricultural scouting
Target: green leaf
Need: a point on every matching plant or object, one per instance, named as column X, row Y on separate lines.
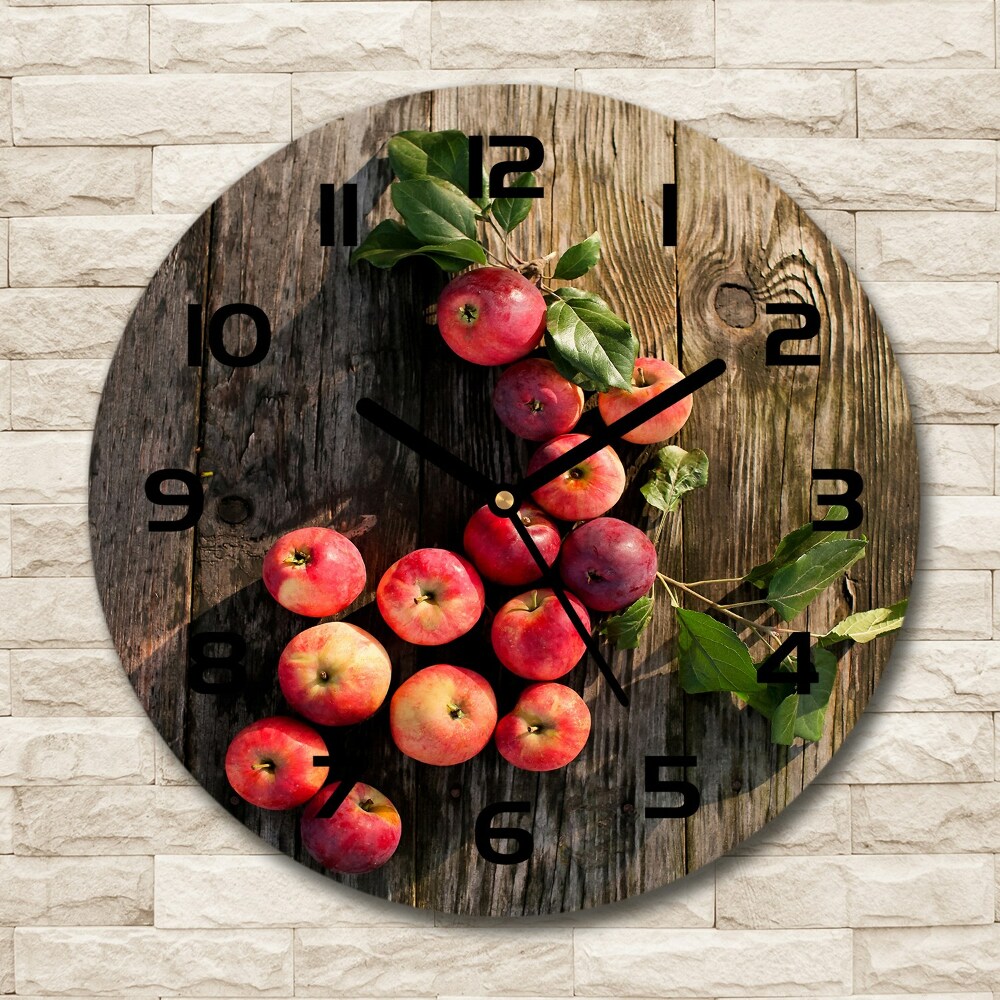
column 793, row 545
column 511, row 212
column 712, row 657
column 624, row 629
column 803, row 714
column 586, row 337
column 414, row 155
column 866, row 625
column 434, row 210
column 390, row 242
column 579, row 258
column 675, row 473
column 795, row 585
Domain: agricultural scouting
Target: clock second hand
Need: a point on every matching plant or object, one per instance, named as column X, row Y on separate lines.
column 550, row 579
column 464, row 473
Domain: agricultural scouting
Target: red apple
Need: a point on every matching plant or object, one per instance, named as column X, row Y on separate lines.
column 546, row 729
column 608, row 563
column 495, row 547
column 491, row 315
column 588, row 490
column 534, row 401
column 270, row 762
column 430, row 596
column 649, row 378
column 314, row 571
column 359, row 837
column 443, row 714
column 534, row 638
column 334, row 674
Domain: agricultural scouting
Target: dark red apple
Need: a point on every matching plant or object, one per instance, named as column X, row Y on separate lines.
column 491, row 315
column 359, row 837
column 591, row 488
column 534, row 638
column 535, row 402
column 495, row 547
column 607, row 563
column 546, row 729
column 270, row 762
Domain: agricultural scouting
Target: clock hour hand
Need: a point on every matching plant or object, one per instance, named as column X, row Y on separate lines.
column 551, row 580
column 614, row 431
column 426, row 448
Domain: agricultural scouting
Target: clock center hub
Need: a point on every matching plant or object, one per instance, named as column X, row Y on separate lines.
column 504, row 500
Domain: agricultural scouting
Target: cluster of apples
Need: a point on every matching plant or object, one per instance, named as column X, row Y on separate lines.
column 336, row 674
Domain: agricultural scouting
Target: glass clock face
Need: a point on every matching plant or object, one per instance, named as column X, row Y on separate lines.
column 230, row 417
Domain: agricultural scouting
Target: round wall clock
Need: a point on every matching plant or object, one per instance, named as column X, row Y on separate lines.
column 316, row 353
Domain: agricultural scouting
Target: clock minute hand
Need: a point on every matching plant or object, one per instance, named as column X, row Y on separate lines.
column 551, row 580
column 610, row 434
column 426, row 448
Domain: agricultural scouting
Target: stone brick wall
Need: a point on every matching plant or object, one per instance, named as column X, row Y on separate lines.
column 119, row 122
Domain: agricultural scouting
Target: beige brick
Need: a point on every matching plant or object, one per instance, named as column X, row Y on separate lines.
column 214, row 963
column 75, row 751
column 44, row 466
column 131, row 110
column 393, row 961
column 817, row 822
column 906, row 959
column 960, row 532
column 63, row 322
column 688, row 902
column 84, row 181
column 92, row 250
column 733, row 102
column 956, row 459
column 74, row 40
column 857, row 174
column 6, row 960
column 688, row 963
column 53, row 891
column 940, row 677
column 5, row 396
column 817, row 33
column 290, row 37
column 51, row 612
column 926, row 819
column 5, row 541
column 318, row 97
column 5, row 684
column 929, row 103
column 264, row 891
column 929, row 246
column 950, row 604
column 39, row 687
column 889, row 748
column 859, row 891
column 937, row 317
column 5, row 119
column 189, row 178
column 645, row 33
column 50, row 540
column 6, row 820
column 56, row 395
column 169, row 770
column 952, row 388
column 838, row 227
column 4, row 239
column 89, row 820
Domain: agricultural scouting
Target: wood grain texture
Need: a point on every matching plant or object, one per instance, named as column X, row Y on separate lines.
column 284, row 437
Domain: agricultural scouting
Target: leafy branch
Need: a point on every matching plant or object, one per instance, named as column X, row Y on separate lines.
column 439, row 220
column 793, row 695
